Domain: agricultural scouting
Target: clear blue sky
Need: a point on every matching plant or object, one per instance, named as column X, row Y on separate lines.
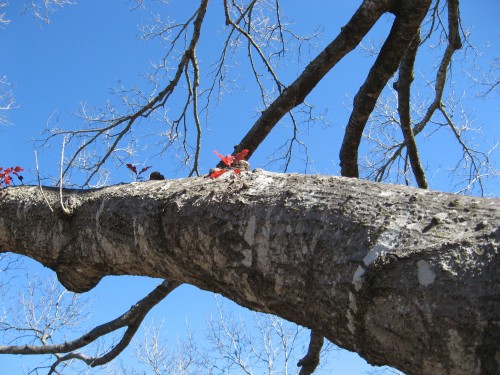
column 87, row 49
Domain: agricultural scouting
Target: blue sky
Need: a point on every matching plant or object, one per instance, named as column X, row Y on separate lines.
column 89, row 49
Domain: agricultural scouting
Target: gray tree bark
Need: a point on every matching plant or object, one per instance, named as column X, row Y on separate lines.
column 405, row 277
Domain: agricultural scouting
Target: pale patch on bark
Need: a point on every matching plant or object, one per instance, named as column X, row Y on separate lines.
column 262, row 241
column 247, row 260
column 386, row 193
column 460, row 358
column 441, row 216
column 351, row 312
column 426, row 275
column 383, row 246
column 357, row 277
column 139, row 236
column 249, row 235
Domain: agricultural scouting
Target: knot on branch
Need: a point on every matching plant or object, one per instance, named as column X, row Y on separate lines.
column 156, row 176
column 65, row 209
column 78, row 280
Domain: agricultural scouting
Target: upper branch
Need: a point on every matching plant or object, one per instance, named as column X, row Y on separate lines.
column 403, row 87
column 122, row 125
column 406, row 25
column 454, row 44
column 350, row 36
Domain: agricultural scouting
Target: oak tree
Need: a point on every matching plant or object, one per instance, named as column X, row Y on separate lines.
column 404, row 276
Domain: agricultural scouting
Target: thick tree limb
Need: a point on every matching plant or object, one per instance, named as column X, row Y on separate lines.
column 350, row 36
column 405, row 277
column 403, row 86
column 406, row 25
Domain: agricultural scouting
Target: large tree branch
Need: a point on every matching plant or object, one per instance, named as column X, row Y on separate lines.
column 403, row 86
column 406, row 25
column 405, row 277
column 350, row 36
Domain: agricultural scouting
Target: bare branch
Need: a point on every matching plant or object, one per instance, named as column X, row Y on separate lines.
column 309, row 363
column 403, row 88
column 391, row 150
column 41, row 9
column 454, row 44
column 404, row 28
column 112, row 130
column 4, row 21
column 6, row 96
column 350, row 36
column 131, row 319
column 489, row 80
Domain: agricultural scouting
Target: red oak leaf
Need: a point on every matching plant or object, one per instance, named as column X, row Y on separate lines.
column 228, row 159
column 241, row 155
column 217, row 173
column 132, row 168
column 144, row 169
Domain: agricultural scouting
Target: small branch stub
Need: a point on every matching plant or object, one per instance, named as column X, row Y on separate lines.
column 62, row 212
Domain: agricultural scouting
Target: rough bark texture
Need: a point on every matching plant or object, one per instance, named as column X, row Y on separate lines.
column 405, row 277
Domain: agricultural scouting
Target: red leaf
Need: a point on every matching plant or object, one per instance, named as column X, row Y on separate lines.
column 217, row 173
column 144, row 169
column 237, row 171
column 241, row 155
column 228, row 159
column 132, row 168
column 18, row 169
column 7, row 179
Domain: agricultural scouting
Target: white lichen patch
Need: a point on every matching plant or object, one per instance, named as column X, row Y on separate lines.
column 262, row 242
column 385, row 244
column 247, row 260
column 262, row 181
column 441, row 216
column 374, row 253
column 353, row 308
column 99, row 211
column 278, row 284
column 357, row 277
column 459, row 356
column 249, row 235
column 426, row 274
column 305, row 249
column 257, row 237
column 386, row 193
